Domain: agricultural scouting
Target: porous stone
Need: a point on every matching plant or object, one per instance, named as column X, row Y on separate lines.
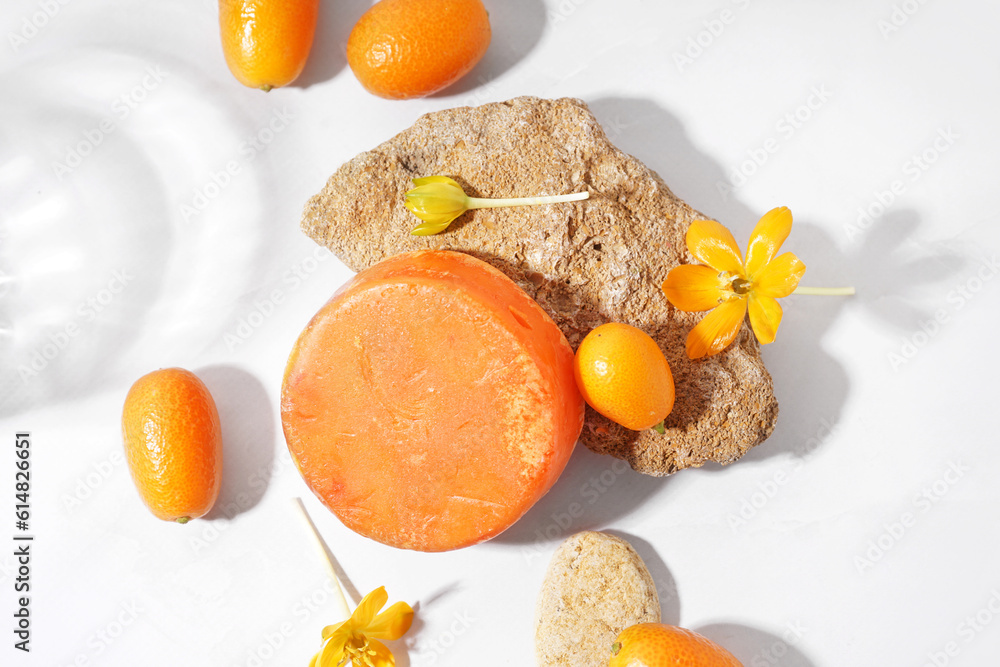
column 595, row 587
column 586, row 263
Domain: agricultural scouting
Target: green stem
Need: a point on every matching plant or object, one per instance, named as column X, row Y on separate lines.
column 825, row 291
column 476, row 202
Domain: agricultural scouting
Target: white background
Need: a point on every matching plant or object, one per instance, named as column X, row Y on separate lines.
column 797, row 555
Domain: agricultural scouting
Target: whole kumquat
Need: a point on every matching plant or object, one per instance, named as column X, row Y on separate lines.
column 401, row 49
column 173, row 444
column 267, row 42
column 622, row 374
column 660, row 645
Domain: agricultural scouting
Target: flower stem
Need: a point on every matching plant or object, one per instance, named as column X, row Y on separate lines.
column 476, row 202
column 825, row 291
column 327, row 557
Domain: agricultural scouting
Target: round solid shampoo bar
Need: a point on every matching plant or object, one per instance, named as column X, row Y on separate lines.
column 431, row 402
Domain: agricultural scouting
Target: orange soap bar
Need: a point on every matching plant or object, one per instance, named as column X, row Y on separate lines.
column 431, row 402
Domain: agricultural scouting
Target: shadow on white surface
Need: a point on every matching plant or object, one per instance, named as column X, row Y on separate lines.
column 593, row 491
column 517, row 27
column 421, row 609
column 248, row 438
column 892, row 270
column 644, row 129
column 328, row 56
column 756, row 647
column 657, row 138
column 811, row 386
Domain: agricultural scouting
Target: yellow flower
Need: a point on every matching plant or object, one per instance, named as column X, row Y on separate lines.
column 730, row 287
column 438, row 200
column 354, row 640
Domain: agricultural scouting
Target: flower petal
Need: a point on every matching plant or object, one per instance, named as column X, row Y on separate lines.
column 380, row 655
column 392, row 623
column 771, row 231
column 717, row 329
column 714, row 245
column 426, row 180
column 330, row 629
column 434, row 224
column 694, row 287
column 370, row 604
column 780, row 277
column 332, row 653
column 765, row 316
column 438, row 201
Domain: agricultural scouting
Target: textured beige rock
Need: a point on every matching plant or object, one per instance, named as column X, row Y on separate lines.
column 586, row 263
column 595, row 587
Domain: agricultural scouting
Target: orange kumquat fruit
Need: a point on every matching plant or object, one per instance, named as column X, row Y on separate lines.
column 660, row 645
column 622, row 374
column 267, row 42
column 401, row 49
column 173, row 444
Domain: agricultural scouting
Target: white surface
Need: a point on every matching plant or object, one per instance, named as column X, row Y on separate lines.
column 860, row 436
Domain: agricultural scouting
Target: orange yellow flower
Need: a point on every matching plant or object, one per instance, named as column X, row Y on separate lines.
column 731, row 287
column 355, row 639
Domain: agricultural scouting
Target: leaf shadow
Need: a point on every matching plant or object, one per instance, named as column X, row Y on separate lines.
column 893, row 270
column 410, row 642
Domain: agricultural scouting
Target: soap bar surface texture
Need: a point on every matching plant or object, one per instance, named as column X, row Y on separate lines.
column 431, row 402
